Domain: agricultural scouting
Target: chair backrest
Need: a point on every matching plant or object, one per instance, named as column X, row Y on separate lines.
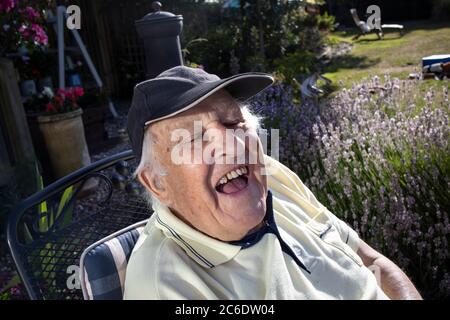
column 361, row 24
column 306, row 89
column 103, row 264
column 355, row 16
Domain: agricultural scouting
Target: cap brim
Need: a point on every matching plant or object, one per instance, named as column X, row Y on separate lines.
column 242, row 87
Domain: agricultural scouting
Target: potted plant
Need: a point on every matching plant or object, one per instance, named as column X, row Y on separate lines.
column 21, row 32
column 21, row 25
column 59, row 119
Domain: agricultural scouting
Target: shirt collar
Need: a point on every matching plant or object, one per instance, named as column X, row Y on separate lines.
column 203, row 249
column 269, row 227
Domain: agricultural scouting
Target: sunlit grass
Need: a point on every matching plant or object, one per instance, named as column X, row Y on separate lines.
column 394, row 55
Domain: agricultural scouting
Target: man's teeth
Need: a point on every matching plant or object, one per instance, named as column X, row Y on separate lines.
column 232, row 175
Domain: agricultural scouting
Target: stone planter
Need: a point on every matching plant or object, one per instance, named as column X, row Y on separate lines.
column 65, row 141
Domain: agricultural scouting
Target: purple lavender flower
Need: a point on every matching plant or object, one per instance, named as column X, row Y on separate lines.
column 378, row 161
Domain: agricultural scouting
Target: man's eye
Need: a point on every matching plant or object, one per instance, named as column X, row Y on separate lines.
column 232, row 124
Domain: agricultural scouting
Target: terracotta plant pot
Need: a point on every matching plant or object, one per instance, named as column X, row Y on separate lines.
column 65, row 141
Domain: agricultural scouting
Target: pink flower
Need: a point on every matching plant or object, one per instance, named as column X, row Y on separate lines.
column 39, row 34
column 7, row 5
column 30, row 13
column 24, row 31
column 36, row 32
column 74, row 93
column 62, row 92
column 71, row 95
column 79, row 92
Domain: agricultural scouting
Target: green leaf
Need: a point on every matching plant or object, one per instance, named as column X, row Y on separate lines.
column 64, row 199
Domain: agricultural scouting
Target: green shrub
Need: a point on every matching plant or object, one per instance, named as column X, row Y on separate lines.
column 260, row 37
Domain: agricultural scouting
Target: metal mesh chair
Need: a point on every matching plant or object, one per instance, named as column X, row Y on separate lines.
column 48, row 231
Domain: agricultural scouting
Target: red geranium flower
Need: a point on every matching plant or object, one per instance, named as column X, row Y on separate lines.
column 79, row 92
column 50, row 107
column 59, row 100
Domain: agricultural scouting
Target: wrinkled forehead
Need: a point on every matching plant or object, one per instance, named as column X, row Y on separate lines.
column 220, row 105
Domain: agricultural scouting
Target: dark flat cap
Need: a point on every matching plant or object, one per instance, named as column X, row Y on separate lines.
column 179, row 89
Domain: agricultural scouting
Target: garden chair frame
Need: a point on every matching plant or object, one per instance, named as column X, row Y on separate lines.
column 365, row 29
column 46, row 258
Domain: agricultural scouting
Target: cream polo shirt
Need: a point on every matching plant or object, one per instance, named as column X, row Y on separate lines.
column 303, row 252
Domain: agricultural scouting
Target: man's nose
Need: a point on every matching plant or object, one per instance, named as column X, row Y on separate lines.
column 226, row 147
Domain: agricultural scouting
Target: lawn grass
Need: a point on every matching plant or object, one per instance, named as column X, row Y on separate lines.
column 394, row 55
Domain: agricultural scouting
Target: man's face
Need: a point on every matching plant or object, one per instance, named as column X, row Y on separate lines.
column 224, row 199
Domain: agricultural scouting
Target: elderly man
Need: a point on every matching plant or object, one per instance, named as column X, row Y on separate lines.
column 226, row 227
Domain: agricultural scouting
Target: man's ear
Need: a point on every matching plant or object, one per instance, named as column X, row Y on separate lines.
column 155, row 184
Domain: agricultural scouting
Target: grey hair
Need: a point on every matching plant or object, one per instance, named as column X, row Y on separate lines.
column 149, row 160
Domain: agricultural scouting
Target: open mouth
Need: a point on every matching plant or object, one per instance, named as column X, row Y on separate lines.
column 234, row 181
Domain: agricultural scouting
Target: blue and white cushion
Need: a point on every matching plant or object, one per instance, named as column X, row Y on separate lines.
column 103, row 264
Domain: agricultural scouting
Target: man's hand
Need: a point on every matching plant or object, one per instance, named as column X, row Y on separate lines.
column 394, row 282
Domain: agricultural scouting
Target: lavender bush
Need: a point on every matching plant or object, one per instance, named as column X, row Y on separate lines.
column 377, row 155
